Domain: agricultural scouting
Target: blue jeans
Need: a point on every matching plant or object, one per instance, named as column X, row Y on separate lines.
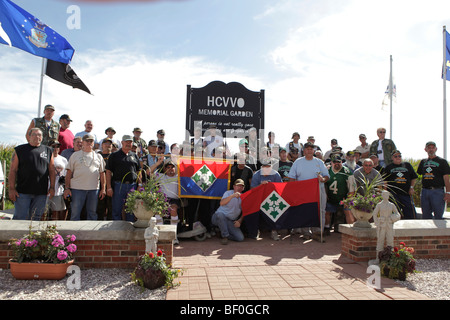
column 118, row 200
column 29, row 206
column 226, row 226
column 432, row 201
column 81, row 197
column 406, row 205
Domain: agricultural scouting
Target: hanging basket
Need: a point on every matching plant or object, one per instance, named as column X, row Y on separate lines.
column 151, row 278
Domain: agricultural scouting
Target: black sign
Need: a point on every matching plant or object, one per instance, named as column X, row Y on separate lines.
column 230, row 108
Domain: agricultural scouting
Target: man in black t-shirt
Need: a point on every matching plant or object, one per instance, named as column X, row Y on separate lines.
column 241, row 171
column 32, row 172
column 284, row 165
column 122, row 170
column 400, row 180
column 435, row 176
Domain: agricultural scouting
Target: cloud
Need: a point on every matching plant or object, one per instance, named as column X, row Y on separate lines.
column 127, row 91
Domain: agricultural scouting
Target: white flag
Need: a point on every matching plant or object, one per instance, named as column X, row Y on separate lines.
column 387, row 96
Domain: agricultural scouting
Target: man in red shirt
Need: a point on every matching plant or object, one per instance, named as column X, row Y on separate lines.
column 65, row 135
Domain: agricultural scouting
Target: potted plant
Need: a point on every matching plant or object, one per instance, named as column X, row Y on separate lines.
column 152, row 271
column 42, row 254
column 146, row 201
column 362, row 205
column 396, row 263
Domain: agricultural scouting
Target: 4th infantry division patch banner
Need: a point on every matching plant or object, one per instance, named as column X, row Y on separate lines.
column 207, row 178
column 277, row 206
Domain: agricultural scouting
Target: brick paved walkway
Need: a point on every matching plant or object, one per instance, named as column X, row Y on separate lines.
column 290, row 269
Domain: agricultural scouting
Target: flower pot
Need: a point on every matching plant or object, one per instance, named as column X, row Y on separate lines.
column 393, row 274
column 142, row 215
column 39, row 271
column 362, row 218
column 151, row 278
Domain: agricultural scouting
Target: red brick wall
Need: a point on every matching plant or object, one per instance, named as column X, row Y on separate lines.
column 425, row 247
column 102, row 253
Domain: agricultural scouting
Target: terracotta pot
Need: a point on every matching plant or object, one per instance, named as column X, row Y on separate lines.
column 142, row 215
column 362, row 218
column 39, row 271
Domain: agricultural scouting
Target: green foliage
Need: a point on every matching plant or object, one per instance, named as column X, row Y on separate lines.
column 150, row 194
column 6, row 152
column 418, row 185
column 368, row 201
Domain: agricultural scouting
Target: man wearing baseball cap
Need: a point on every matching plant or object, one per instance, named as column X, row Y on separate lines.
column 435, row 173
column 66, row 136
column 400, row 179
column 122, row 170
column 228, row 216
column 48, row 126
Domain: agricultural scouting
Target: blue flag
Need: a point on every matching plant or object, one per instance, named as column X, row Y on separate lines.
column 22, row 30
column 447, row 55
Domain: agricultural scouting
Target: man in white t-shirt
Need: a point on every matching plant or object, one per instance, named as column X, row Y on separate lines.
column 306, row 168
column 85, row 180
column 88, row 126
column 57, row 204
column 363, row 148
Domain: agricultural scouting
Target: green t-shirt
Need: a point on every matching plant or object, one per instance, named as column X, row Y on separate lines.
column 338, row 185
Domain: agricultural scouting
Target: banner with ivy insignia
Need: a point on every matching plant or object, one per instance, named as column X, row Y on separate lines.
column 205, row 178
column 279, row 206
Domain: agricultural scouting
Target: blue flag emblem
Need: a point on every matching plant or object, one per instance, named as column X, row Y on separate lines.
column 447, row 55
column 22, row 30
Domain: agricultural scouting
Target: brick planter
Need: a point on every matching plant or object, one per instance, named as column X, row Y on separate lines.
column 100, row 244
column 429, row 238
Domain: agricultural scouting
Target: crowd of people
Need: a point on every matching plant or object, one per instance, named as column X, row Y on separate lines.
column 78, row 176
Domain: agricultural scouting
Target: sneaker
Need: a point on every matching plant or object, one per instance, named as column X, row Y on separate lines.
column 224, row 240
column 307, row 235
column 274, row 235
column 326, row 231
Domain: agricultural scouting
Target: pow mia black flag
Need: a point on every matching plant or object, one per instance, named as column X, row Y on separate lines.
column 62, row 72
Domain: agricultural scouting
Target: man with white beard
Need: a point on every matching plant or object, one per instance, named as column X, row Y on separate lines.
column 350, row 161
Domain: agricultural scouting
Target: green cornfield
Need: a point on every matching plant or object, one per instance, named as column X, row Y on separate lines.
column 6, row 152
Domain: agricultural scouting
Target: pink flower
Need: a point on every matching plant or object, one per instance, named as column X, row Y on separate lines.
column 71, row 248
column 57, row 241
column 72, row 238
column 62, row 255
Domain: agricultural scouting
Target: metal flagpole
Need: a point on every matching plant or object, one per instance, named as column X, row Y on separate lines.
column 391, row 89
column 444, row 78
column 44, row 64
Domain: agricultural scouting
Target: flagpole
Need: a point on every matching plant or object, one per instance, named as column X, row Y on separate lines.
column 444, row 79
column 391, row 89
column 44, row 60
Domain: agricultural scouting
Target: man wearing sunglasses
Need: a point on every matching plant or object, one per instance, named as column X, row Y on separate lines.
column 383, row 148
column 400, row 181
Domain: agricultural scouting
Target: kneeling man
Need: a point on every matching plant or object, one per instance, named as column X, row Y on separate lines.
column 227, row 215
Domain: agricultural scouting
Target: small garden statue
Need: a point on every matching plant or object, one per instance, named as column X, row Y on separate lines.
column 384, row 217
column 151, row 236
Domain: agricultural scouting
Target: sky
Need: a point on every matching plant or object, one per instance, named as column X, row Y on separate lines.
column 324, row 66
